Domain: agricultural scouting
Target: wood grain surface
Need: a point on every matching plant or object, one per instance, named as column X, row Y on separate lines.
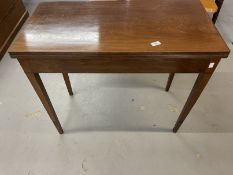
column 121, row 27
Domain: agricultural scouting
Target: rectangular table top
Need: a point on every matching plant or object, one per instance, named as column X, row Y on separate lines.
column 95, row 28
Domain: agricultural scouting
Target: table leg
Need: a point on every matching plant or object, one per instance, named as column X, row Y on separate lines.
column 169, row 81
column 41, row 92
column 197, row 89
column 67, row 81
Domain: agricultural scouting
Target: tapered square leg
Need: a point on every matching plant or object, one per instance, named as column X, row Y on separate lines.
column 196, row 91
column 37, row 84
column 169, row 81
column 68, row 84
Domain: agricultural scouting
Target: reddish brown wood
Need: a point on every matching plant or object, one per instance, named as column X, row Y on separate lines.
column 97, row 28
column 214, row 19
column 115, row 37
column 215, row 15
column 196, row 91
column 169, row 81
column 37, row 84
column 68, row 84
column 12, row 17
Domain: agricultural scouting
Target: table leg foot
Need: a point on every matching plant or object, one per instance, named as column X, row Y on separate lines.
column 169, row 81
column 37, row 84
column 197, row 89
column 68, row 84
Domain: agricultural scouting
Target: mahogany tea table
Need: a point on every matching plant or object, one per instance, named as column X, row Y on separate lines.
column 150, row 36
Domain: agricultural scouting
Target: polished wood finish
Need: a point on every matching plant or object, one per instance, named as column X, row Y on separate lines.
column 12, row 17
column 124, row 28
column 210, row 6
column 169, row 81
column 68, row 84
column 115, row 37
column 37, row 84
column 113, row 65
column 198, row 87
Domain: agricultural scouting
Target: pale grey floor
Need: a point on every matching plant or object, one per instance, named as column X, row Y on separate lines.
column 117, row 124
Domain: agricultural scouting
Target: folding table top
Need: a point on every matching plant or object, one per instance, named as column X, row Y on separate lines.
column 179, row 28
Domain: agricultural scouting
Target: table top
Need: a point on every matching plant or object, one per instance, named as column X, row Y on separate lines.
column 179, row 28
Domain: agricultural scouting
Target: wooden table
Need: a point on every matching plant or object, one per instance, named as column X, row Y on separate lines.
column 116, row 37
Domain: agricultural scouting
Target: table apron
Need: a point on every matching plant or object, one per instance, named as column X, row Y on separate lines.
column 119, row 65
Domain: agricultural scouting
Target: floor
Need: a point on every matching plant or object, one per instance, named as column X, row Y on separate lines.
column 117, row 123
